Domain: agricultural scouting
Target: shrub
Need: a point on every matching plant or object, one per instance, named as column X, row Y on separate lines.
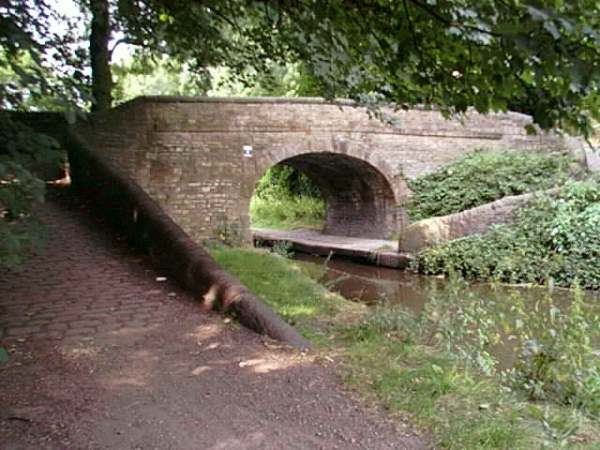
column 287, row 212
column 285, row 181
column 21, row 149
column 554, row 239
column 484, row 177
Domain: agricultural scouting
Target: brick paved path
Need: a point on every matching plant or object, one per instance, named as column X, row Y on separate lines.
column 79, row 283
column 104, row 356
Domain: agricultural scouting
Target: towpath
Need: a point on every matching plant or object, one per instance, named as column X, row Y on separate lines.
column 379, row 252
column 105, row 354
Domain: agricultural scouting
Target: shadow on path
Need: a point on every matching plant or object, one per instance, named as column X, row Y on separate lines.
column 105, row 355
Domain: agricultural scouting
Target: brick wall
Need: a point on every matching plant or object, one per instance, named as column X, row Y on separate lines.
column 187, row 153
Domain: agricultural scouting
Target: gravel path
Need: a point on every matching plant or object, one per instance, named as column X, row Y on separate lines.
column 105, row 355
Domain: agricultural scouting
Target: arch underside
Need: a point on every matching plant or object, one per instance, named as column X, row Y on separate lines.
column 360, row 201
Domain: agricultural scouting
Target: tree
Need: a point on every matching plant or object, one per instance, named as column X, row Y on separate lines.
column 26, row 80
column 100, row 55
column 155, row 76
column 541, row 57
column 536, row 56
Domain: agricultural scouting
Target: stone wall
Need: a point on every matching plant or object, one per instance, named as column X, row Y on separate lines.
column 188, row 154
column 478, row 220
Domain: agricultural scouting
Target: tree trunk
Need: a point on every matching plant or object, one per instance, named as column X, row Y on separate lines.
column 100, row 56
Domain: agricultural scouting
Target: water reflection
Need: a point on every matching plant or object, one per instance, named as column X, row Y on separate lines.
column 373, row 285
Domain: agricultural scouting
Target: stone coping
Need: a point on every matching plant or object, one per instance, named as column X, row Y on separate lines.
column 289, row 100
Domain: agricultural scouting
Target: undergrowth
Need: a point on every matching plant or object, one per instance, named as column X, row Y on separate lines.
column 287, row 212
column 483, row 177
column 437, row 367
column 555, row 239
column 285, row 199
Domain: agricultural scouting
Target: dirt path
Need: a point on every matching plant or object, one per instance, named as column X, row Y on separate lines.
column 104, row 356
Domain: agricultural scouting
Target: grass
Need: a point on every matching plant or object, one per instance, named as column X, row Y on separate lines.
column 287, row 212
column 385, row 356
column 289, row 287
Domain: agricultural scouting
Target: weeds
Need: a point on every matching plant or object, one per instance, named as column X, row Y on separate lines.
column 555, row 239
column 439, row 367
column 283, row 248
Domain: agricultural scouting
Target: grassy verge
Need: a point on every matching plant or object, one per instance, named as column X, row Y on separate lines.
column 413, row 366
column 287, row 212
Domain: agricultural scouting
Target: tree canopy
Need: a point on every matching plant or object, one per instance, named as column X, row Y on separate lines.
column 541, row 57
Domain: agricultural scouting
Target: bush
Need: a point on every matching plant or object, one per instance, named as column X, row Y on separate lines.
column 555, row 239
column 287, row 212
column 484, row 177
column 21, row 148
column 285, row 181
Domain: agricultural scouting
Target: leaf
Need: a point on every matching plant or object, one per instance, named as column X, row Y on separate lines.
column 3, row 355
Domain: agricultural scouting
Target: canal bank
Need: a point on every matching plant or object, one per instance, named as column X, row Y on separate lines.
column 432, row 361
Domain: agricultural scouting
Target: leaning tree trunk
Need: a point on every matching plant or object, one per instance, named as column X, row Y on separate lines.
column 100, row 56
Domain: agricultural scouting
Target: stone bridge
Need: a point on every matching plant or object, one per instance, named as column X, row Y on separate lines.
column 201, row 158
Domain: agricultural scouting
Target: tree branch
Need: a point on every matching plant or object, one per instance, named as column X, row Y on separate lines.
column 128, row 41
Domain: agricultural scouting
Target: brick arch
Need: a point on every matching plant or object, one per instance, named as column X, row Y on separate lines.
column 359, row 198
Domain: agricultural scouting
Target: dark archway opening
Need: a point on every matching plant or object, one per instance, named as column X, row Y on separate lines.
column 359, row 200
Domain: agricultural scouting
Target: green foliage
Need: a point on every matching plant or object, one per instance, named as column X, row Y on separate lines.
column 556, row 361
column 492, row 55
column 3, row 355
column 484, row 177
column 285, row 181
column 287, row 212
column 555, row 239
column 438, row 365
column 41, row 65
column 281, row 80
column 285, row 198
column 158, row 76
column 442, row 365
column 551, row 338
column 21, row 149
column 285, row 285
column 283, row 248
column 37, row 67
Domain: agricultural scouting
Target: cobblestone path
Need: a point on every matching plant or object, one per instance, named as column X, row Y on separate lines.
column 83, row 281
column 105, row 354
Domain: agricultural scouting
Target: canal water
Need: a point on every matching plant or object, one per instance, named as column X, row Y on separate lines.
column 374, row 285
